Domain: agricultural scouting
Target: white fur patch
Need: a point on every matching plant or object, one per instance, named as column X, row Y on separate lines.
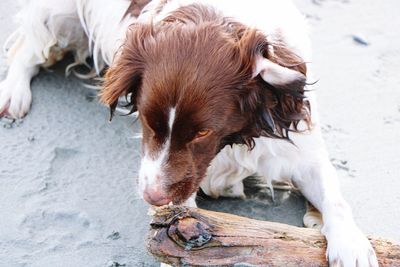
column 171, row 119
column 151, row 168
column 347, row 246
column 275, row 74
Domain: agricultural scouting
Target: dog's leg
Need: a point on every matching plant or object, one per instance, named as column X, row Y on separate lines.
column 227, row 184
column 312, row 218
column 41, row 24
column 15, row 91
column 191, row 202
column 30, row 49
column 347, row 245
column 227, row 171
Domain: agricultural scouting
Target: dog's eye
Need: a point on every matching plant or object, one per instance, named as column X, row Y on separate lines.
column 202, row 133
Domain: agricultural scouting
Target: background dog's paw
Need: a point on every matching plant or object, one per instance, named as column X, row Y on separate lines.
column 350, row 248
column 15, row 99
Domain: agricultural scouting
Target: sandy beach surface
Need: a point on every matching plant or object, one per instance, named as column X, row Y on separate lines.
column 67, row 191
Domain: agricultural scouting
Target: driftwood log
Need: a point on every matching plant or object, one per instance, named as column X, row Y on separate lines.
column 183, row 236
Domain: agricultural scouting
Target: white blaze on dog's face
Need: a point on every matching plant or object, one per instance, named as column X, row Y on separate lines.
column 151, row 168
column 198, row 89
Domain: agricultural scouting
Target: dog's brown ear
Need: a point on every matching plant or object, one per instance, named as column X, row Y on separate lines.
column 124, row 76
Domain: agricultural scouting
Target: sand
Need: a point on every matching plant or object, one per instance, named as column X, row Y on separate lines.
column 67, row 189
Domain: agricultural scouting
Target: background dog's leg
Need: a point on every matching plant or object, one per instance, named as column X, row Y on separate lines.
column 347, row 245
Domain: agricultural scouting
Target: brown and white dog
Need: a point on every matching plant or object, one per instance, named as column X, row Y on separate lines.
column 218, row 86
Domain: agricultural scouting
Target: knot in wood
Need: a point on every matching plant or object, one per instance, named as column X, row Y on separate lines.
column 190, row 233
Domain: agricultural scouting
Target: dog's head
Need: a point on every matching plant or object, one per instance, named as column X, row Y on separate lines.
column 201, row 82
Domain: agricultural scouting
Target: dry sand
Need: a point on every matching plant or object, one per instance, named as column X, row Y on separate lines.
column 66, row 189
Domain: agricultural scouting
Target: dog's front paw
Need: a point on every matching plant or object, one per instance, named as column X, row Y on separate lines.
column 15, row 99
column 234, row 191
column 348, row 247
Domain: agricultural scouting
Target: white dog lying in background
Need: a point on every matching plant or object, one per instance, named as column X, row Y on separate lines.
column 210, row 80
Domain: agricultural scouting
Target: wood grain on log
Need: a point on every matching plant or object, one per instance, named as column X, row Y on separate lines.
column 183, row 236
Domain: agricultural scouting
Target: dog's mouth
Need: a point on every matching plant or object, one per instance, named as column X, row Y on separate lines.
column 180, row 192
column 153, row 209
column 181, row 200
